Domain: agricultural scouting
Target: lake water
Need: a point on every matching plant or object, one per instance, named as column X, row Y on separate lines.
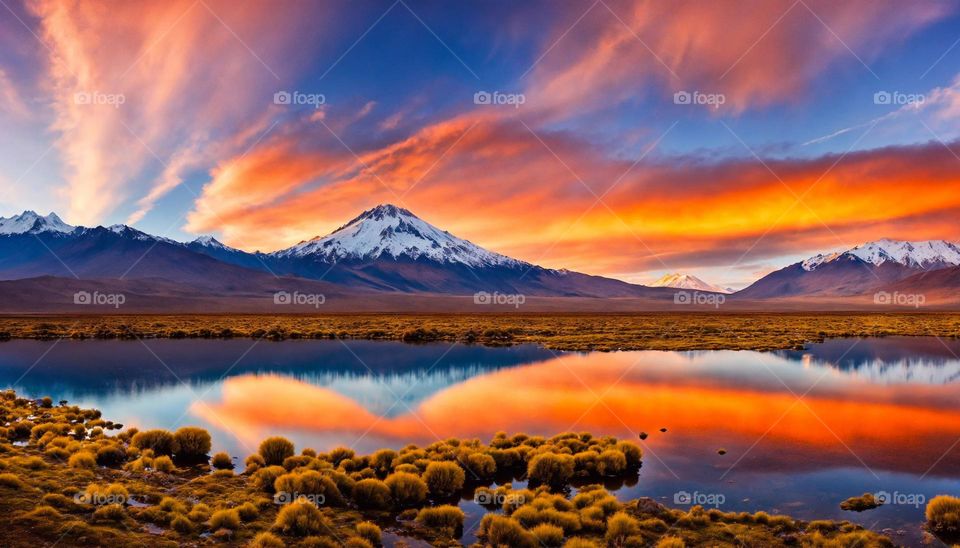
column 802, row 430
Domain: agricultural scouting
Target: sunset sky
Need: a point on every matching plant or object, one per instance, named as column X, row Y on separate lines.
column 823, row 124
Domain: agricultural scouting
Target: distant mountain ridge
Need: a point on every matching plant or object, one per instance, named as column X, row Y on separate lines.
column 386, row 248
column 29, row 222
column 857, row 271
column 926, row 254
column 688, row 281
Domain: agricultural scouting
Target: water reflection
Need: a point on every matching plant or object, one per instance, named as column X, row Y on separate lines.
column 931, row 360
column 802, row 430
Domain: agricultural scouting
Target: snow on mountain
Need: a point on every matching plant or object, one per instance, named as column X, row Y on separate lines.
column 210, row 241
column 132, row 233
column 687, row 281
column 390, row 231
column 29, row 222
column 930, row 253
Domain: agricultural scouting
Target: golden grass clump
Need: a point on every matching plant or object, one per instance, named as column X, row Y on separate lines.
column 673, row 542
column 372, row 494
column 222, row 461
column 191, row 442
column 548, row 535
column 621, row 527
column 497, row 530
column 441, row 517
column 301, row 519
column 943, row 515
column 370, row 532
column 253, row 463
column 274, row 450
column 181, row 524
column 407, row 490
column 266, row 539
column 170, row 504
column 309, row 483
column 248, row 511
column 551, row 469
column 382, row 461
column 160, row 441
column 444, row 479
column 111, row 454
column 163, row 463
column 225, row 519
column 82, row 460
column 265, row 478
column 11, row 481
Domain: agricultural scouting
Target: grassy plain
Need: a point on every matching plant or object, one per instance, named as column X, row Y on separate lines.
column 649, row 331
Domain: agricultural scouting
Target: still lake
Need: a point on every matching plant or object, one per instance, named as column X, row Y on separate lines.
column 802, row 430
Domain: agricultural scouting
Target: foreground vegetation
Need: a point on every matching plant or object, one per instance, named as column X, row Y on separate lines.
column 64, row 479
column 654, row 331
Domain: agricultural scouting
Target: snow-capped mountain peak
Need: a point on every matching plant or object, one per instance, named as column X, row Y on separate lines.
column 688, row 281
column 388, row 231
column 924, row 254
column 29, row 222
column 210, row 241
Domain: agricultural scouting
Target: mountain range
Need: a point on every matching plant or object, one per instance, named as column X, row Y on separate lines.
column 388, row 254
column 875, row 266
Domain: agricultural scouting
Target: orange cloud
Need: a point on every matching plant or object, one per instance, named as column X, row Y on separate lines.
column 755, row 52
column 139, row 87
column 534, row 196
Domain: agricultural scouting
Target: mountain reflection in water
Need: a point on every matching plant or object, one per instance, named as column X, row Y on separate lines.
column 802, row 430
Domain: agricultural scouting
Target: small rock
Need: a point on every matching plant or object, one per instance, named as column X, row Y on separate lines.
column 643, row 435
column 721, row 451
column 663, row 429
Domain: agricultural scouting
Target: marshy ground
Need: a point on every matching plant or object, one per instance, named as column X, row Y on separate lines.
column 651, row 331
column 68, row 476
